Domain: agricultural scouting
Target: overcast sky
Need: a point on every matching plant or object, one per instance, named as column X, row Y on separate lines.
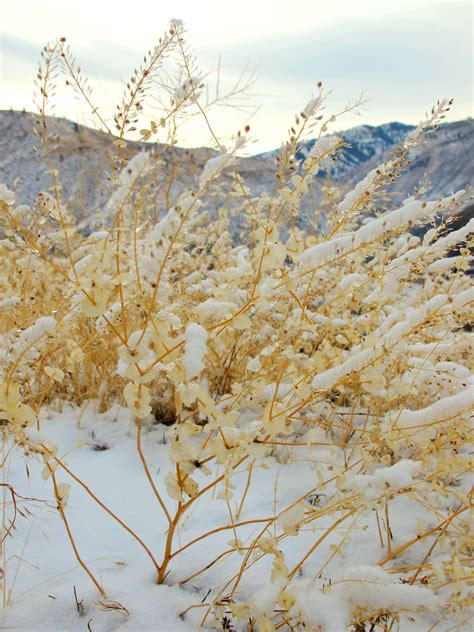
column 403, row 55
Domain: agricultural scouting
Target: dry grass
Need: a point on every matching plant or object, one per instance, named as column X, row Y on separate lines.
column 312, row 340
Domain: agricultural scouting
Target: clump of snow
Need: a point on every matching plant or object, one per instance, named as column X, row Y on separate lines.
column 410, row 211
column 314, row 105
column 189, row 89
column 10, row 302
column 215, row 309
column 325, row 145
column 35, row 437
column 99, row 235
column 385, row 479
column 445, row 408
column 195, row 349
column 464, row 300
column 40, row 327
column 135, row 168
column 447, row 263
column 332, row 605
column 360, row 189
column 6, row 195
column 214, row 166
column 324, row 381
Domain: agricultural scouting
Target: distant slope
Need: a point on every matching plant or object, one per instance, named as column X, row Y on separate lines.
column 83, row 158
column 444, row 162
column 365, row 143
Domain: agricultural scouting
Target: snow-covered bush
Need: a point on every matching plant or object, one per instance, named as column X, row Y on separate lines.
column 350, row 348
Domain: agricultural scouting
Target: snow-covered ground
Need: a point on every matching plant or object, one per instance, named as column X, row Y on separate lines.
column 42, row 571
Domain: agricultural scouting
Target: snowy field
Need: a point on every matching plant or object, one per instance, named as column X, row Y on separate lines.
column 100, row 449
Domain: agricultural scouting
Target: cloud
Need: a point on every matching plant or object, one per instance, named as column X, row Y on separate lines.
column 15, row 47
column 412, row 45
column 106, row 61
column 404, row 58
column 403, row 62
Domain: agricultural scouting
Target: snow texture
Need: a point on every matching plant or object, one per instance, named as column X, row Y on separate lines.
column 195, row 349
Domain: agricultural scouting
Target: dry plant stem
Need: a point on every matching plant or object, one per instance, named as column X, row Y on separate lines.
column 192, row 606
column 104, row 507
column 172, row 521
column 180, row 511
column 205, row 568
column 135, row 251
column 138, row 85
column 168, row 544
column 413, row 541
column 117, row 269
column 336, row 550
column 45, row 139
column 455, row 581
column 217, row 480
column 238, row 576
column 342, row 444
column 4, row 529
column 247, row 486
column 428, row 554
column 382, row 545
column 70, row 536
column 7, row 531
column 387, row 527
column 218, row 530
column 148, row 473
column 286, row 622
column 196, row 101
column 26, row 540
column 75, row 77
column 39, row 249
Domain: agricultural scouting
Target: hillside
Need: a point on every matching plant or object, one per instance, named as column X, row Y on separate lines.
column 441, row 165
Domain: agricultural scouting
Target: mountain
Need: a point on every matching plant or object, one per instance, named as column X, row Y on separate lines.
column 443, row 163
column 83, row 158
column 364, row 143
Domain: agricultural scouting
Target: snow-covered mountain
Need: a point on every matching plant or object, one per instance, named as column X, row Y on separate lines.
column 364, row 143
column 443, row 164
